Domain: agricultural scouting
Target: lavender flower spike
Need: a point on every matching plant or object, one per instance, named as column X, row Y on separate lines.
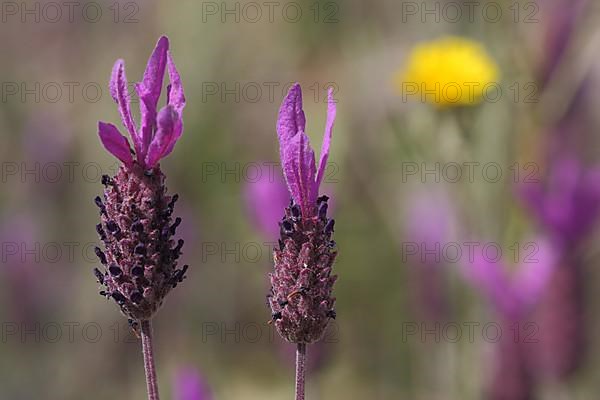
column 139, row 260
column 301, row 283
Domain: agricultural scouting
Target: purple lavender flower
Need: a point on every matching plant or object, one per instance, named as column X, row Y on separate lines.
column 301, row 301
column 140, row 257
column 189, row 385
column 430, row 224
column 301, row 283
column 269, row 190
column 568, row 203
column 512, row 298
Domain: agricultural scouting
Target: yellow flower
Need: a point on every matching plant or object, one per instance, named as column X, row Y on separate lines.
column 448, row 71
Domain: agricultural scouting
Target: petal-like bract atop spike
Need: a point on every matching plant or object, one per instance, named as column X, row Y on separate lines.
column 165, row 135
column 176, row 99
column 149, row 89
column 299, row 170
column 158, row 132
column 118, row 91
column 331, row 111
column 291, row 118
column 115, row 143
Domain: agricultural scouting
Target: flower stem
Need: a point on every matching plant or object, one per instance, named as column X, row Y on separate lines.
column 149, row 367
column 300, row 370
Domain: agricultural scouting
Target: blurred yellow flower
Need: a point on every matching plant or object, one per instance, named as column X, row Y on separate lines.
column 449, row 71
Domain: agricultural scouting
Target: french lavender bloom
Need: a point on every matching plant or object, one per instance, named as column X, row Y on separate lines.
column 430, row 224
column 567, row 205
column 512, row 298
column 140, row 256
column 302, row 283
column 189, row 385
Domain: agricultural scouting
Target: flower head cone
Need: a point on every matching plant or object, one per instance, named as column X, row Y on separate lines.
column 139, row 262
column 302, row 283
column 450, row 71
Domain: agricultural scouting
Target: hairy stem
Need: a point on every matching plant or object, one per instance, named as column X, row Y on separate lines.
column 300, row 370
column 149, row 367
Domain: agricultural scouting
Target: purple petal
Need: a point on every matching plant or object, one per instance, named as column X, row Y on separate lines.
column 118, row 91
column 291, row 118
column 491, row 280
column 164, row 137
column 149, row 89
column 535, row 271
column 189, row 385
column 331, row 111
column 299, row 169
column 175, row 98
column 114, row 142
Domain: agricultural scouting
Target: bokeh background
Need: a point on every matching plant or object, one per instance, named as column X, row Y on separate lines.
column 414, row 319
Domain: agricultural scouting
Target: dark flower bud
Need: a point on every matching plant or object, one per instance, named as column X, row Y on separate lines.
column 323, row 210
column 137, row 271
column 295, row 213
column 136, row 297
column 112, row 226
column 106, row 180
column 119, row 298
column 329, row 227
column 99, row 275
column 100, row 255
column 175, row 225
column 287, row 227
column 100, row 232
column 115, row 270
column 173, row 201
column 140, row 249
column 322, row 199
column 137, row 226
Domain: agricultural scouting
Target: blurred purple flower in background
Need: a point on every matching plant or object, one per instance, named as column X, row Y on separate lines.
column 47, row 137
column 430, row 225
column 568, row 202
column 22, row 287
column 512, row 298
column 561, row 18
column 190, row 385
column 265, row 198
column 566, row 205
column 513, row 295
